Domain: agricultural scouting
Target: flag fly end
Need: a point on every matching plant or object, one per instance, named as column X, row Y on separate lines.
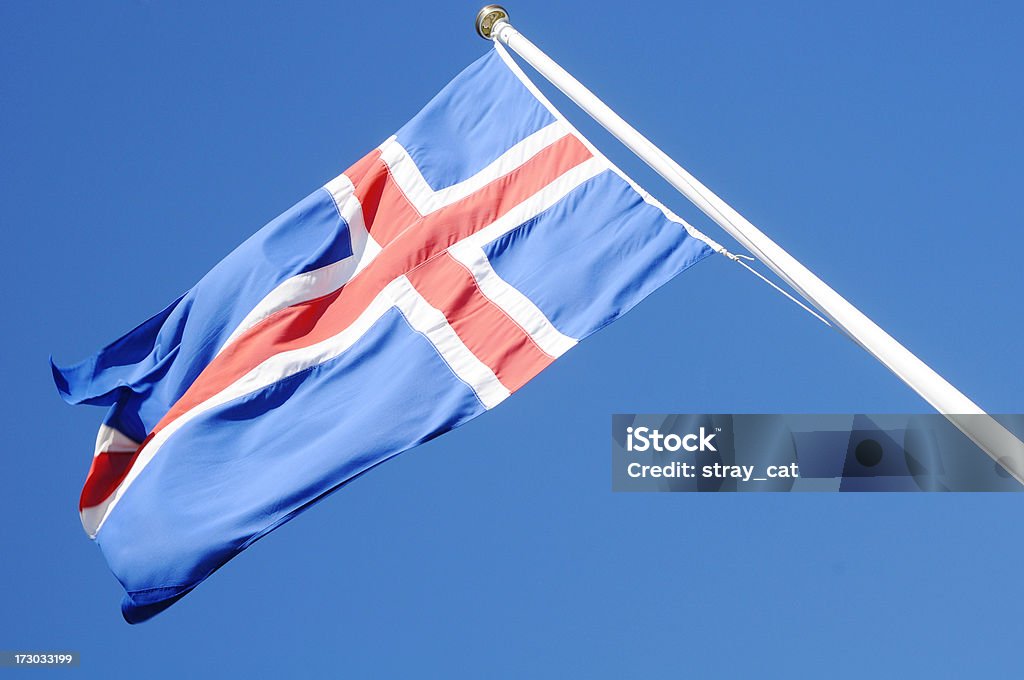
column 486, row 19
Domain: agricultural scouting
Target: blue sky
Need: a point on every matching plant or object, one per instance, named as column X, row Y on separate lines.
column 880, row 143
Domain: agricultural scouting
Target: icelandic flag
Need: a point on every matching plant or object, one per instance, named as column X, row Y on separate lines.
column 408, row 295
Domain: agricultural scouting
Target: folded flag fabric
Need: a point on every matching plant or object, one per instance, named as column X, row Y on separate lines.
column 410, row 294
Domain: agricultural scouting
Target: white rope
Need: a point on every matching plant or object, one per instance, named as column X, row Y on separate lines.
column 738, row 259
column 693, row 231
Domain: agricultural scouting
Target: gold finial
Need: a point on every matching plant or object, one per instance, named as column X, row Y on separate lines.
column 487, row 17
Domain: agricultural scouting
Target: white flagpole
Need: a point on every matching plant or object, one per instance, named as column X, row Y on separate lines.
column 492, row 23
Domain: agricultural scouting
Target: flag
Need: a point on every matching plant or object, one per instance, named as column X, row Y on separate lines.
column 436, row 276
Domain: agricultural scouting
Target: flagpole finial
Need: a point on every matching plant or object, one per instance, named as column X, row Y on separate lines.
column 487, row 17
